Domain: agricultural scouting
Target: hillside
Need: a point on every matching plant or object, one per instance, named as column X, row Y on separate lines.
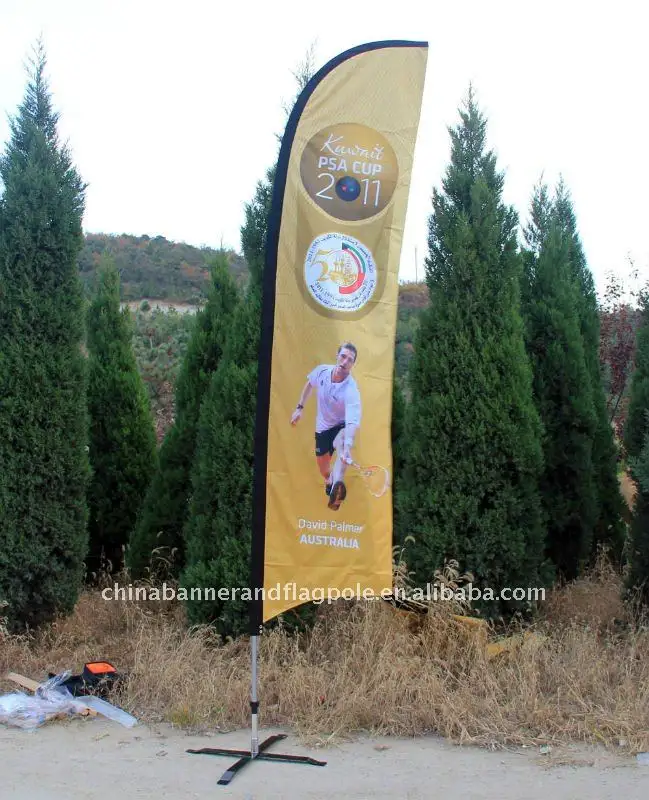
column 155, row 268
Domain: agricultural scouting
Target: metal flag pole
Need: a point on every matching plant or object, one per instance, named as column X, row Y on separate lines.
column 254, row 701
column 257, row 751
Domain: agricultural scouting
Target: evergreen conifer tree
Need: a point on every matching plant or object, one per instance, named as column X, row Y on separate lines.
column 636, row 440
column 640, row 465
column 166, row 505
column 218, row 531
column 123, row 451
column 636, row 426
column 562, row 389
column 638, row 579
column 469, row 488
column 609, row 526
column 44, row 468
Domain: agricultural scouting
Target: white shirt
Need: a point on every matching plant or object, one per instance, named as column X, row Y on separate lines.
column 337, row 402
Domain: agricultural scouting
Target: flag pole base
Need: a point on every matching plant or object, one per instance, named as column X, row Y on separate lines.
column 245, row 757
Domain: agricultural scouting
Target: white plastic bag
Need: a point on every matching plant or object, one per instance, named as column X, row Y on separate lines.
column 26, row 711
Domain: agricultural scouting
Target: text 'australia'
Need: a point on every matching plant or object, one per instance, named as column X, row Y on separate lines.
column 330, row 541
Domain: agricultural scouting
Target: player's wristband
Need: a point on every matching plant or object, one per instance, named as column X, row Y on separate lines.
column 299, row 406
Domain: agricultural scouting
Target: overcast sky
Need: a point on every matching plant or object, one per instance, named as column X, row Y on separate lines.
column 171, row 110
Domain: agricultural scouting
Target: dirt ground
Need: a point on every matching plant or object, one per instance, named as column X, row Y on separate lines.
column 96, row 759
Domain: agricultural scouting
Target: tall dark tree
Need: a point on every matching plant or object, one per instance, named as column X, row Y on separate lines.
column 166, row 506
column 469, row 489
column 636, row 426
column 638, row 579
column 123, row 451
column 636, row 440
column 641, row 463
column 562, row 388
column 218, row 531
column 639, row 548
column 609, row 526
column 44, row 468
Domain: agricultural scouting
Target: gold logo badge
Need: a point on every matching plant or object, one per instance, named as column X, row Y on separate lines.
column 350, row 171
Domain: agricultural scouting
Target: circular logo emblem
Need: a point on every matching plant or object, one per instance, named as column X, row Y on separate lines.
column 339, row 272
column 350, row 171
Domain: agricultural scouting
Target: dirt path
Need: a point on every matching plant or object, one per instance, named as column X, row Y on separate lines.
column 98, row 760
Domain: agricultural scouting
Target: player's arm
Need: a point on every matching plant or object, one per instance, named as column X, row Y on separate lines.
column 306, row 393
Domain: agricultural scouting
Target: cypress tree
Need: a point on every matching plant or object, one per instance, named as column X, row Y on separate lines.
column 636, row 427
column 562, row 389
column 636, row 441
column 218, row 531
column 166, row 505
column 640, row 465
column 638, row 578
column 43, row 417
column 123, row 451
column 609, row 525
column 469, row 489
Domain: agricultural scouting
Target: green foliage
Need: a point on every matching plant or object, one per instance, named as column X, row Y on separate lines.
column 155, row 267
column 638, row 578
column 608, row 527
column 637, row 424
column 562, row 389
column 160, row 340
column 122, row 436
column 413, row 298
column 218, row 531
column 160, row 526
column 639, row 551
column 44, row 468
column 219, row 527
column 253, row 232
column 469, row 487
column 640, row 465
column 637, row 445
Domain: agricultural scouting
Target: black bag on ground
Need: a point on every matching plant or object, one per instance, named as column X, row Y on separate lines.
column 97, row 677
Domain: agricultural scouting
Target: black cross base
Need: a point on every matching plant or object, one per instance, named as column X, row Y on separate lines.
column 245, row 757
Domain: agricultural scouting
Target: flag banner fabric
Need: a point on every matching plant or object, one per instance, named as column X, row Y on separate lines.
column 322, row 498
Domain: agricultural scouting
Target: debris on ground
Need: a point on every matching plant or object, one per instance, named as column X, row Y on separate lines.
column 53, row 700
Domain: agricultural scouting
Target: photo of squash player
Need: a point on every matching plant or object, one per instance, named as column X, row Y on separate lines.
column 338, row 417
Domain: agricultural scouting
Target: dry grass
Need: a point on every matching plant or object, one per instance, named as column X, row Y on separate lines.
column 628, row 488
column 581, row 676
column 594, row 601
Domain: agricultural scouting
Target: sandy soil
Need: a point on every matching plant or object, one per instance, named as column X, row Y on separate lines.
column 95, row 759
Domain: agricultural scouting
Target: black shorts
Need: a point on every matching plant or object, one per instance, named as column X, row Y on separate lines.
column 324, row 442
